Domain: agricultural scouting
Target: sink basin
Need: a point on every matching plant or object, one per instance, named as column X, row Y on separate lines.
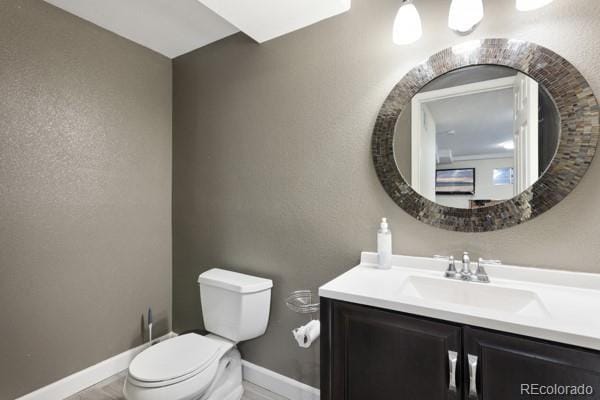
column 477, row 295
column 559, row 306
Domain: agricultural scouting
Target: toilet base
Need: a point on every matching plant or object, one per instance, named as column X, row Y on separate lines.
column 226, row 384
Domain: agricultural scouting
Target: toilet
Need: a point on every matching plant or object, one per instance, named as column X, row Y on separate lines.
column 235, row 307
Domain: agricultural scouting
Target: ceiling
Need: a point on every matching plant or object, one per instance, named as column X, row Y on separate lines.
column 476, row 124
column 264, row 20
column 168, row 27
column 173, row 28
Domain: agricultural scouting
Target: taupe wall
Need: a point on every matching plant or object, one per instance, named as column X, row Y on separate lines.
column 272, row 166
column 85, row 194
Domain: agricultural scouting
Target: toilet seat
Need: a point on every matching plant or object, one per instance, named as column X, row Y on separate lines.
column 176, row 360
column 221, row 380
column 201, row 379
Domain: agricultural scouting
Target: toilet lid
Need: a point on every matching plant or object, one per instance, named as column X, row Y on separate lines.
column 175, row 358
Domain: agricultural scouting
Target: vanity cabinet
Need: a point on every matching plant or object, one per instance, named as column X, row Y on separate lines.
column 373, row 354
column 506, row 365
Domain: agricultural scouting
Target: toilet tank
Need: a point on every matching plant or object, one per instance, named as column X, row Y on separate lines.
column 234, row 306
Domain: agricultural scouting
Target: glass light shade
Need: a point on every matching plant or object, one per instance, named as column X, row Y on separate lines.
column 527, row 5
column 407, row 25
column 465, row 15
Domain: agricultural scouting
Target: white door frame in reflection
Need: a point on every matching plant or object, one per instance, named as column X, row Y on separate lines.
column 525, row 132
column 423, row 151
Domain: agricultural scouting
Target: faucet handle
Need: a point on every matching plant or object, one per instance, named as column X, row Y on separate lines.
column 480, row 272
column 451, row 271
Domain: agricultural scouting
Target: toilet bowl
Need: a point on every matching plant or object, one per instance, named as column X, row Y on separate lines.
column 235, row 307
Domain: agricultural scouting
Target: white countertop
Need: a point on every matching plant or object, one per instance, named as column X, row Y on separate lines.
column 560, row 306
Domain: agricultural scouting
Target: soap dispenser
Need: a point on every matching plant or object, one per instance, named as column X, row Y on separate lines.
column 384, row 245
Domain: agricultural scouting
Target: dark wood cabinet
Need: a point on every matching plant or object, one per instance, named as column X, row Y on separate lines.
column 377, row 355
column 513, row 367
column 373, row 354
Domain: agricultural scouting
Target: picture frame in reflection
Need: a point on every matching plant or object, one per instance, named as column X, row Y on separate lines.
column 456, row 181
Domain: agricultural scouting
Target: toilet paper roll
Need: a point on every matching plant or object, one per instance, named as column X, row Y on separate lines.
column 313, row 330
column 307, row 334
column 299, row 334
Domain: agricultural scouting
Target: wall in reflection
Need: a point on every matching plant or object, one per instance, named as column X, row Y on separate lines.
column 489, row 119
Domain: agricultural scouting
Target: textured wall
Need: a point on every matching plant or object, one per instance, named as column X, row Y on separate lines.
column 272, row 165
column 85, row 194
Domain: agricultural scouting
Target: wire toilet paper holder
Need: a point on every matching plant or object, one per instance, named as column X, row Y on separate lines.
column 303, row 302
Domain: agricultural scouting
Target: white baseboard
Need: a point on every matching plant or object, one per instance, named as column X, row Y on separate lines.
column 277, row 383
column 75, row 383
column 85, row 378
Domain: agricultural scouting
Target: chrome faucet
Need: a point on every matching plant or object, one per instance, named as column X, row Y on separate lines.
column 466, row 264
column 466, row 274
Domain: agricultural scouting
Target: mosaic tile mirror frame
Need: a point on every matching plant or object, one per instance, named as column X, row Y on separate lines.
column 579, row 124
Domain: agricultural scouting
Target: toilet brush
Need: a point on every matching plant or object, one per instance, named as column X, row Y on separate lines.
column 150, row 326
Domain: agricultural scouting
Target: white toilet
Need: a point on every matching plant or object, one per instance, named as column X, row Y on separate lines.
column 235, row 307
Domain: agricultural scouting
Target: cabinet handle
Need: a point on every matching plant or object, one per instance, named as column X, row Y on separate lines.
column 452, row 358
column 472, row 375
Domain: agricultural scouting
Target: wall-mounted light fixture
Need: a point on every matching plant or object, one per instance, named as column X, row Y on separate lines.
column 407, row 25
column 527, row 5
column 463, row 18
column 465, row 15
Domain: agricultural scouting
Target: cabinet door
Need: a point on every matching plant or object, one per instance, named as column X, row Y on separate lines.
column 371, row 354
column 510, row 367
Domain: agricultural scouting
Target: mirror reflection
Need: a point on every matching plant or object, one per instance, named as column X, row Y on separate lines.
column 476, row 136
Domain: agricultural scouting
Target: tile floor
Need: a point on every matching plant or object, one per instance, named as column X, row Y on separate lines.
column 111, row 389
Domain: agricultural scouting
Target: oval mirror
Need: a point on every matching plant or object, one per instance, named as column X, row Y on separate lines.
column 476, row 136
column 485, row 135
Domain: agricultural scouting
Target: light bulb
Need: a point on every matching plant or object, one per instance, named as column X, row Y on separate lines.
column 407, row 25
column 527, row 5
column 465, row 15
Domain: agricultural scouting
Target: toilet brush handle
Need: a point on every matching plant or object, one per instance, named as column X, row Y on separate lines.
column 150, row 326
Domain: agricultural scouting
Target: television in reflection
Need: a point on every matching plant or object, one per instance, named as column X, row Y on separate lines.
column 455, row 181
